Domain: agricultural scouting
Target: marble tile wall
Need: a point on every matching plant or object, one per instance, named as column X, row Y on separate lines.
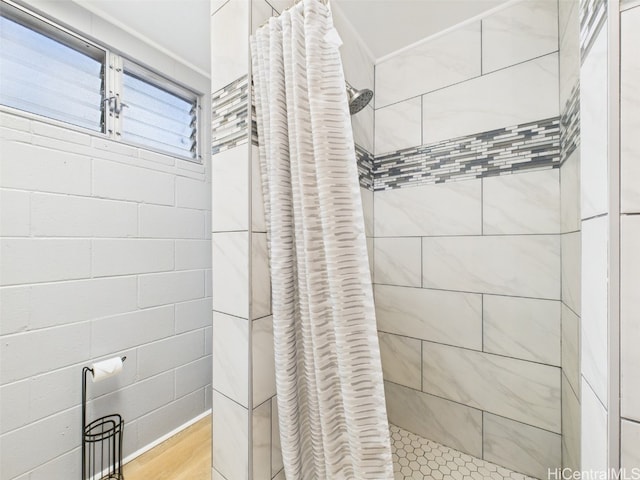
column 630, row 111
column 593, row 128
column 243, row 365
column 493, row 100
column 467, row 290
column 571, row 426
column 630, row 236
column 533, row 447
column 467, row 268
column 452, row 107
column 231, row 242
column 594, row 160
column 570, row 226
column 455, row 56
column 518, row 33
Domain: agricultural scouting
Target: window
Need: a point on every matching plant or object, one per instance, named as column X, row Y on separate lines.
column 158, row 114
column 51, row 72
column 59, row 78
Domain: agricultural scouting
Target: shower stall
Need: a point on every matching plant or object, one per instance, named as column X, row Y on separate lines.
column 470, row 170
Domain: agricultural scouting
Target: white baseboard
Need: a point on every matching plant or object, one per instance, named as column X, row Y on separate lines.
column 163, row 438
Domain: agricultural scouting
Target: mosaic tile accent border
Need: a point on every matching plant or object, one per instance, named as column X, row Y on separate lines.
column 229, row 116
column 254, row 117
column 416, row 458
column 534, row 145
column 593, row 15
column 570, row 124
column 365, row 167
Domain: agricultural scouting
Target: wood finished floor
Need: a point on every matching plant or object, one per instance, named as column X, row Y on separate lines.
column 185, row 456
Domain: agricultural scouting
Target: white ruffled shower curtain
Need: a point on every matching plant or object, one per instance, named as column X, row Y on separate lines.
column 333, row 421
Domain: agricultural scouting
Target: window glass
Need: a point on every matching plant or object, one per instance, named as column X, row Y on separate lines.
column 50, row 71
column 42, row 75
column 158, row 118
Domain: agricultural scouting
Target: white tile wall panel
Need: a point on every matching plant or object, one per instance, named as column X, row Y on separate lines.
column 398, row 126
column 492, row 101
column 398, row 261
column 521, row 447
column 519, row 33
column 593, row 356
column 521, row 265
column 527, row 203
column 523, row 328
column 523, row 391
column 449, row 209
column 441, row 420
column 448, row 59
column 454, row 318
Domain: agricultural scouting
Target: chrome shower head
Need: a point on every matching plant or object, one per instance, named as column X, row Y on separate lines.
column 358, row 99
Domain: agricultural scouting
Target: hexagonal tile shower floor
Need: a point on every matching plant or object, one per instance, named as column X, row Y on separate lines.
column 416, row 458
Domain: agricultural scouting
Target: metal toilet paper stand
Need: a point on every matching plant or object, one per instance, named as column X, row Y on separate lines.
column 101, row 441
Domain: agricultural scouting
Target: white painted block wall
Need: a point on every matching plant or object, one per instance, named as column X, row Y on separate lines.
column 104, row 250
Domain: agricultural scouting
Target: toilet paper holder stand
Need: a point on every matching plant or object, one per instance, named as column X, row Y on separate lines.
column 101, row 441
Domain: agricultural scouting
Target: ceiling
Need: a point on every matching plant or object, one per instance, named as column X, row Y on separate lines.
column 182, row 26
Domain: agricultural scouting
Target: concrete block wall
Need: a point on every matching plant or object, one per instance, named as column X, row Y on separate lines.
column 105, row 250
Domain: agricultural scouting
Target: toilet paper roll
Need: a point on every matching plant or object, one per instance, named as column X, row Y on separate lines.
column 106, row 368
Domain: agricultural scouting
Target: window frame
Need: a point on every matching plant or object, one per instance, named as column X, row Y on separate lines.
column 115, row 63
column 43, row 25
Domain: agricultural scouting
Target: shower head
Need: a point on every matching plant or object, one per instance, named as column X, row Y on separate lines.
column 358, row 99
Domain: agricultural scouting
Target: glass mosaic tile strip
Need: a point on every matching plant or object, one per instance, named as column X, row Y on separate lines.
column 593, row 15
column 534, row 145
column 570, row 124
column 365, row 167
column 229, row 116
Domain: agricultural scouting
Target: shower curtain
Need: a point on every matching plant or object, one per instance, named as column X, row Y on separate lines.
column 332, row 414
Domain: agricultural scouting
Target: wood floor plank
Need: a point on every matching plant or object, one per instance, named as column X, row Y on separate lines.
column 185, row 456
